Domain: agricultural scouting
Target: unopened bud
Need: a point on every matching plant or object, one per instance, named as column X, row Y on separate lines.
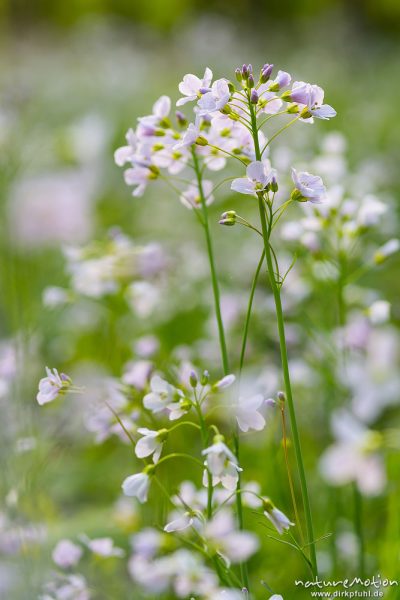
column 205, row 378
column 391, row 247
column 287, row 96
column 193, row 379
column 266, row 73
column 201, row 141
column 250, row 81
column 228, row 218
column 254, row 96
column 292, row 109
column 180, row 117
column 238, row 75
column 281, row 397
column 274, row 184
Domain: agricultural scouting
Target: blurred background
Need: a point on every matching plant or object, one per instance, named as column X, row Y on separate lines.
column 74, row 76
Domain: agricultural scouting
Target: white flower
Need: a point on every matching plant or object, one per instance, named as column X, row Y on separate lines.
column 126, row 153
column 225, row 382
column 308, row 186
column 247, row 414
column 166, row 397
column 191, row 196
column 215, row 99
column 276, row 516
column 66, row 554
column 104, row 547
column 189, row 137
column 150, row 443
column 192, row 87
column 232, row 545
column 180, row 523
column 354, row 457
column 258, row 176
column 379, row 312
column 391, row 247
column 311, row 97
column 137, row 485
column 222, row 464
column 52, row 386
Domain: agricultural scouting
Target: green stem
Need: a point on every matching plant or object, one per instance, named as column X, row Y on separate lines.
column 284, row 358
column 358, row 523
column 243, row 565
column 248, row 313
column 213, row 271
column 204, row 436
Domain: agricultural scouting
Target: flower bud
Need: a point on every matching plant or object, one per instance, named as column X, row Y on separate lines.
column 205, row 378
column 391, row 247
column 281, row 396
column 245, row 72
column 274, row 184
column 238, row 74
column 201, row 141
column 287, row 96
column 162, row 435
column 292, row 109
column 254, row 96
column 268, row 506
column 250, row 81
column 266, row 73
column 228, row 218
column 193, row 379
column 180, row 117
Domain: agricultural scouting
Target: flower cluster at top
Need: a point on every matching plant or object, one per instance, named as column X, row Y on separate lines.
column 226, row 117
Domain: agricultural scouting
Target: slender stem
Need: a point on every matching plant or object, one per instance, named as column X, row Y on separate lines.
column 276, row 134
column 243, row 565
column 214, row 279
column 291, row 486
column 204, row 436
column 179, row 455
column 227, row 153
column 358, row 523
column 284, row 358
column 248, row 313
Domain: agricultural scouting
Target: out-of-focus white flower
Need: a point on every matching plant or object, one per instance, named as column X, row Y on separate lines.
column 247, row 414
column 191, row 196
column 137, row 485
column 279, row 520
column 66, row 554
column 52, row 386
column 47, row 210
column 55, row 296
column 137, row 373
column 234, row 546
column 222, row 464
column 354, row 456
column 147, row 542
column 68, row 587
column 391, row 247
column 180, row 522
column 151, row 443
column 144, row 297
column 126, row 153
column 146, row 346
column 379, row 312
column 104, row 547
column 307, row 187
column 370, row 211
column 225, row 382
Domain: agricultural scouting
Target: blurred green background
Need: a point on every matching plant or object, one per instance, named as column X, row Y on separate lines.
column 73, row 77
